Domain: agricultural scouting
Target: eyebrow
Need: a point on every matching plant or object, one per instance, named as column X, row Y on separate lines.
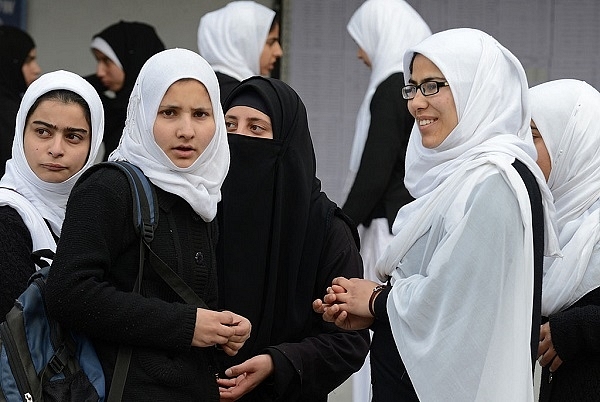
column 411, row 81
column 55, row 127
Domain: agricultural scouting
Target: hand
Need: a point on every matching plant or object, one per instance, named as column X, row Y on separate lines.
column 342, row 303
column 242, row 328
column 546, row 352
column 216, row 328
column 245, row 377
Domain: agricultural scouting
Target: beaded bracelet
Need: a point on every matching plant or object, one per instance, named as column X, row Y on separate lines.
column 376, row 291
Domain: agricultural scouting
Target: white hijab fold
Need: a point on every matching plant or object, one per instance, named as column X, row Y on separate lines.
column 36, row 199
column 200, row 183
column 490, row 92
column 232, row 38
column 384, row 30
column 566, row 114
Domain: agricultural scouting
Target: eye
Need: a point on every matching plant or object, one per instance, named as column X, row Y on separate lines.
column 74, row 137
column 42, row 131
column 430, row 86
column 167, row 112
column 231, row 126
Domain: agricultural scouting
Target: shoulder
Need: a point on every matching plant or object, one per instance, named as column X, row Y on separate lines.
column 391, row 86
column 11, row 223
column 102, row 184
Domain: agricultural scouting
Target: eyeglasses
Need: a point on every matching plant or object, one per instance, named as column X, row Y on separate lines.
column 427, row 88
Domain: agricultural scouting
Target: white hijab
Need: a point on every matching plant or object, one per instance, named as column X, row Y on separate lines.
column 383, row 29
column 33, row 198
column 232, row 38
column 491, row 95
column 200, row 183
column 566, row 114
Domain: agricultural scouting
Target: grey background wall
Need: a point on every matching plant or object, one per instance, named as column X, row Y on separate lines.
column 63, row 29
column 552, row 38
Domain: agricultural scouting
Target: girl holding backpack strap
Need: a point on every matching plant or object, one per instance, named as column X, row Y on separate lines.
column 59, row 129
column 175, row 133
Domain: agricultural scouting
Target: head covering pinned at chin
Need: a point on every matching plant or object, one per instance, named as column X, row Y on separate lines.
column 50, row 199
column 200, row 183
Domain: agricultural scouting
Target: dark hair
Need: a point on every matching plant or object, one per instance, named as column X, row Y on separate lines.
column 276, row 21
column 64, row 96
column 410, row 67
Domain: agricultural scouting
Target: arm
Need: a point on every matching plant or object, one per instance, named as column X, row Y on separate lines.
column 323, row 361
column 91, row 281
column 575, row 331
column 16, row 265
column 383, row 156
column 318, row 363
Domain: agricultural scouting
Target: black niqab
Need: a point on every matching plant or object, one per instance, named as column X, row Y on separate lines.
column 273, row 220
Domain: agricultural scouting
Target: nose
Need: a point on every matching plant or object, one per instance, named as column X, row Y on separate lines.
column 186, row 128
column 278, row 51
column 100, row 70
column 418, row 102
column 56, row 148
column 37, row 70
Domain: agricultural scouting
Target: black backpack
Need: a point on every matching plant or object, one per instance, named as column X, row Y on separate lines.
column 42, row 361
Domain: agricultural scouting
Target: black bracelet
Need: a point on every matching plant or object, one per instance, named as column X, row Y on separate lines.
column 376, row 291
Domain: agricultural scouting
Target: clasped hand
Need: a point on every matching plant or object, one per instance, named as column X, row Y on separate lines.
column 346, row 303
column 224, row 328
column 546, row 352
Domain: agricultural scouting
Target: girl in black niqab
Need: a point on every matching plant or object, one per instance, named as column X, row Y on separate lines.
column 281, row 241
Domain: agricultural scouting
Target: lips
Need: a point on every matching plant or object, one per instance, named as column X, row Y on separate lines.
column 425, row 122
column 53, row 167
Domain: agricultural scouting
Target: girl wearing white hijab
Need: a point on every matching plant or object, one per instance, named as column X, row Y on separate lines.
column 383, row 30
column 175, row 133
column 461, row 266
column 59, row 128
column 565, row 126
column 239, row 41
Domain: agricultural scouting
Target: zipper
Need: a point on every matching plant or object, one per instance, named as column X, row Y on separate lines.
column 14, row 363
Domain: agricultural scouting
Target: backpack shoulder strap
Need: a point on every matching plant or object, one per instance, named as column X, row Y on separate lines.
column 537, row 217
column 145, row 202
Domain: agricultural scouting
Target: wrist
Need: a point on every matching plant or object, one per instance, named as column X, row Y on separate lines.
column 374, row 294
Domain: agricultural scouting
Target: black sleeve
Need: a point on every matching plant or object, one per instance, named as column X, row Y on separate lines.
column 384, row 153
column 89, row 288
column 576, row 331
column 16, row 265
column 320, row 363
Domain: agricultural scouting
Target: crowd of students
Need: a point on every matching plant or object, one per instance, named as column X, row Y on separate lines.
column 479, row 233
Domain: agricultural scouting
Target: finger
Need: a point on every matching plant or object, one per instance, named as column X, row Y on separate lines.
column 555, row 364
column 340, row 281
column 341, row 319
column 338, row 289
column 226, row 382
column 317, row 306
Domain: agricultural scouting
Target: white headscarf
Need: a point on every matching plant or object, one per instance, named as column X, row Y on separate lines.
column 200, row 183
column 36, row 199
column 383, row 29
column 490, row 92
column 232, row 38
column 566, row 114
